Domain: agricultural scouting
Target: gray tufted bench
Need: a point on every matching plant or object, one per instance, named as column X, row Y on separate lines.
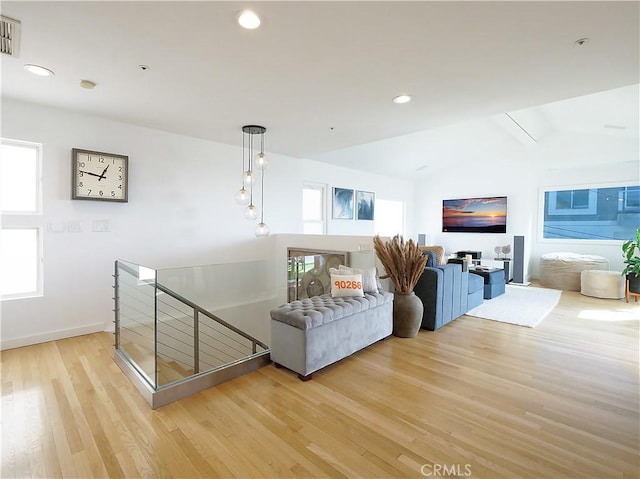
column 309, row 334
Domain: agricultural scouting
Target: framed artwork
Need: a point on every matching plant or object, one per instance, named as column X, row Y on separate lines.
column 365, row 202
column 342, row 203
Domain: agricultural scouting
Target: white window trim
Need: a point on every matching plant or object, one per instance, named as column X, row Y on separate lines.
column 323, row 221
column 38, row 292
column 38, row 148
column 28, row 220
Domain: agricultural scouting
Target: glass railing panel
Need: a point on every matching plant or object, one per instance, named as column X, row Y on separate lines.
column 219, row 345
column 241, row 294
column 135, row 296
column 175, row 339
column 174, row 323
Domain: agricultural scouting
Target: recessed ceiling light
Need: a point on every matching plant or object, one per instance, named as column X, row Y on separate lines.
column 402, row 99
column 88, row 84
column 38, row 70
column 249, row 20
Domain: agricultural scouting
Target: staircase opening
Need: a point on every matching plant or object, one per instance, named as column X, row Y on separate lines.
column 203, row 330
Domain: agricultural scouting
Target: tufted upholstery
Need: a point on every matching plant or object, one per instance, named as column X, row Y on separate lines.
column 309, row 334
column 312, row 312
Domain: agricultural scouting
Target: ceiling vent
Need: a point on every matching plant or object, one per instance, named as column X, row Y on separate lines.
column 9, row 36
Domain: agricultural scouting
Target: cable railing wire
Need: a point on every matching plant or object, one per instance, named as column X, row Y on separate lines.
column 223, row 334
column 222, row 342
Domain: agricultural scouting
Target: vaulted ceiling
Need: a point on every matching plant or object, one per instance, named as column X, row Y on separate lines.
column 321, row 75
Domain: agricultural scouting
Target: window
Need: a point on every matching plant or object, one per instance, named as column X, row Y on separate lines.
column 631, row 198
column 573, row 202
column 313, row 209
column 591, row 213
column 19, row 253
column 21, row 205
column 389, row 217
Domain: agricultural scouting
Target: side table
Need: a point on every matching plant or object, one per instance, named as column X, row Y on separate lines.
column 506, row 264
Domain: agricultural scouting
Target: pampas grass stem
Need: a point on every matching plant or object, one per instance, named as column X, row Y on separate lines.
column 403, row 261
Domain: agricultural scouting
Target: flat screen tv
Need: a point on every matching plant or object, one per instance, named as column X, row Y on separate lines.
column 475, row 215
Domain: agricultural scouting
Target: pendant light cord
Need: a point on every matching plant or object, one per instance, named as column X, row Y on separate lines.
column 243, row 158
column 250, row 167
column 262, row 179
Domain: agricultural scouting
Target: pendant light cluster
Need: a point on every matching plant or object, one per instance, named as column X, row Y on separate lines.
column 250, row 164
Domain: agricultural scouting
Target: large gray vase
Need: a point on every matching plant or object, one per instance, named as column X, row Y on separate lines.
column 407, row 314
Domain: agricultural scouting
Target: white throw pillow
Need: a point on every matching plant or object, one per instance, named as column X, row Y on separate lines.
column 369, row 277
column 346, row 285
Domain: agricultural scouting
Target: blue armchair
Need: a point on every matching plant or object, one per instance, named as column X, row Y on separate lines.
column 447, row 291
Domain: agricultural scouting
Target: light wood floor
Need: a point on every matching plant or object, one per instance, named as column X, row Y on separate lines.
column 476, row 399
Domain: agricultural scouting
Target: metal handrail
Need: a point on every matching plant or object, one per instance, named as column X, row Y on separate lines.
column 197, row 310
column 212, row 316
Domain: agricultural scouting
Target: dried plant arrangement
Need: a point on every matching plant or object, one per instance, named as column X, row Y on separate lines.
column 403, row 261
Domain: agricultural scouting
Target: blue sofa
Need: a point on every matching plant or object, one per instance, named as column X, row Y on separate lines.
column 447, row 292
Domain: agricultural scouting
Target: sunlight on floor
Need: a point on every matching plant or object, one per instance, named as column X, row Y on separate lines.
column 610, row 314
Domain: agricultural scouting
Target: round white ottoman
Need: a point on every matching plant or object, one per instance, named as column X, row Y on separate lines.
column 562, row 270
column 602, row 284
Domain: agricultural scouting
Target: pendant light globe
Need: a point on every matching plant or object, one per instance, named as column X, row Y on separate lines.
column 251, row 212
column 262, row 230
column 248, row 177
column 242, row 197
column 261, row 161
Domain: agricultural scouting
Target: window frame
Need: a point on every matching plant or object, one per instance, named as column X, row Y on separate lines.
column 38, row 148
column 28, row 220
column 591, row 209
column 38, row 292
column 323, row 217
column 625, row 205
column 592, row 187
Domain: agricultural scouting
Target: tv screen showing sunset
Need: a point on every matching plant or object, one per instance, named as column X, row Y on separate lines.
column 475, row 215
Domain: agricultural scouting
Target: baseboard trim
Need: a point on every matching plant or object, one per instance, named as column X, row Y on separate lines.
column 50, row 336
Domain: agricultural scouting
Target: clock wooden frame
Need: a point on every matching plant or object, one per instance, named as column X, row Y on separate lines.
column 79, row 175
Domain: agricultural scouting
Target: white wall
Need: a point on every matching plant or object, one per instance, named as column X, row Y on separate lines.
column 181, row 212
column 520, row 172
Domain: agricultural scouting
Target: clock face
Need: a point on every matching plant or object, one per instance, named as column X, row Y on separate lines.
column 99, row 176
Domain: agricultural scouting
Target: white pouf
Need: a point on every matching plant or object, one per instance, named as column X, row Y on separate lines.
column 562, row 270
column 602, row 284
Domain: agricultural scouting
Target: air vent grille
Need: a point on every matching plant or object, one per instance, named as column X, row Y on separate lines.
column 9, row 36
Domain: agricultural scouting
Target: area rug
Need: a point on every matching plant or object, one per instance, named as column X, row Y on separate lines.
column 521, row 305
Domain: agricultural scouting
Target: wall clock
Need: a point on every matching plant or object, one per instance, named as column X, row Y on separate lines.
column 99, row 176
